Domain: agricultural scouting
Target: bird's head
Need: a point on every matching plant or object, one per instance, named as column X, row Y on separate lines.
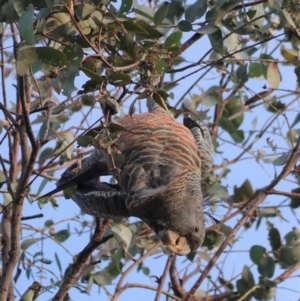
column 177, row 211
column 185, row 232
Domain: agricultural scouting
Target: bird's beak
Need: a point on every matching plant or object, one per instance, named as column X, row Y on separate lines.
column 177, row 244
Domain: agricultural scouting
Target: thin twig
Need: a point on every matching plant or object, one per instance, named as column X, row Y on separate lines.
column 7, row 114
column 83, row 256
column 9, row 188
column 163, row 278
column 119, row 287
column 285, row 193
column 28, row 161
column 287, row 273
column 251, row 206
column 25, row 218
column 145, row 286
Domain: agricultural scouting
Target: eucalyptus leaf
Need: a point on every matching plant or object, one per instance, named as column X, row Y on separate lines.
column 161, row 13
column 62, row 235
column 196, row 10
column 25, row 25
column 122, row 234
column 125, row 6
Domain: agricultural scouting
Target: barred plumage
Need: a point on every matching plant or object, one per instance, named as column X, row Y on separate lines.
column 159, row 180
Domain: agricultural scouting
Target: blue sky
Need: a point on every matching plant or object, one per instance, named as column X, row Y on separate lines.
column 260, row 174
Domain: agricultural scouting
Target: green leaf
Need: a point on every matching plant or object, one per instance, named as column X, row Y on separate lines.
column 46, row 154
column 161, row 13
column 196, row 10
column 142, row 29
column 42, row 186
column 49, row 57
column 125, row 7
column 242, row 288
column 243, row 193
column 85, row 140
column 69, row 138
column 58, row 262
column 207, row 29
column 106, row 276
column 297, row 72
column 222, row 8
column 255, row 70
column 65, row 80
column 28, row 242
column 93, row 75
column 90, row 64
column 241, row 75
column 292, row 238
column 247, row 277
column 225, row 229
column 234, row 112
column 146, row 270
column 265, row 293
column 102, row 278
column 295, row 201
column 2, row 177
column 26, row 57
column 49, row 223
column 62, row 235
column 216, row 41
column 161, row 66
column 185, row 26
column 20, row 6
column 88, row 100
column 274, row 106
column 74, row 54
column 52, row 128
column 213, row 239
column 210, row 99
column 266, row 267
column 115, row 127
column 26, row 25
column 257, row 253
column 288, row 256
column 288, row 18
column 172, row 42
column 45, row 261
column 145, row 11
column 216, row 192
column 281, row 160
column 122, row 234
column 68, row 192
column 119, row 79
column 176, row 11
column 238, row 136
column 191, row 256
column 268, row 212
column 296, row 120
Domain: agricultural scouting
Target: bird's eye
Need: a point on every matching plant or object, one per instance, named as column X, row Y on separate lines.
column 196, row 229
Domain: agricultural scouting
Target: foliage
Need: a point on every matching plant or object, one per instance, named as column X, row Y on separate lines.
column 63, row 60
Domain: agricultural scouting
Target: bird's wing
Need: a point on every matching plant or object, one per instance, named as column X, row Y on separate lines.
column 101, row 199
column 93, row 167
column 204, row 143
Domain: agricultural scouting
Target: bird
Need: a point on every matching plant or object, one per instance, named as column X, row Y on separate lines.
column 159, row 181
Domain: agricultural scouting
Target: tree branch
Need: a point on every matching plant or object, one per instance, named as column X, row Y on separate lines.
column 119, row 289
column 251, row 206
column 163, row 278
column 96, row 240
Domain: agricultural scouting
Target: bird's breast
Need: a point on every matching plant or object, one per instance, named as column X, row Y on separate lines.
column 155, row 147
